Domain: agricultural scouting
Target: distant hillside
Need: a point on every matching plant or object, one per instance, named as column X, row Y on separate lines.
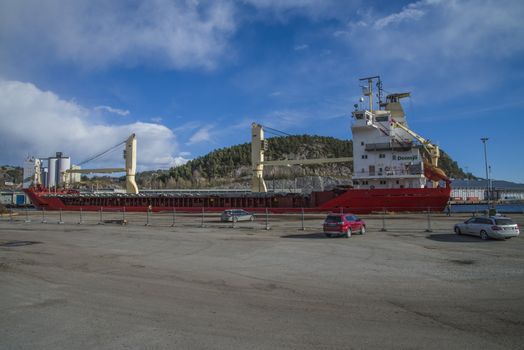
column 232, row 165
column 10, row 174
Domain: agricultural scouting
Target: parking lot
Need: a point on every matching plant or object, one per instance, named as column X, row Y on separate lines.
column 275, row 283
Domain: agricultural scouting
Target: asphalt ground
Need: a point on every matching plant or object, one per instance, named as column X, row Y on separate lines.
column 111, row 286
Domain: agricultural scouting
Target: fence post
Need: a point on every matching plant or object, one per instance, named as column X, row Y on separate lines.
column 147, row 217
column 81, row 221
column 124, row 221
column 428, row 229
column 202, row 225
column 100, row 221
column 60, row 222
column 44, row 221
column 267, row 220
column 383, row 229
column 10, row 215
column 27, row 220
column 174, row 217
column 303, row 228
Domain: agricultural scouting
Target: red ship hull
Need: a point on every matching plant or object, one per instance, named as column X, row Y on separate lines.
column 359, row 201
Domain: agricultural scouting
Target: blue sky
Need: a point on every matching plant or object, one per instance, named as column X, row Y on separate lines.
column 190, row 76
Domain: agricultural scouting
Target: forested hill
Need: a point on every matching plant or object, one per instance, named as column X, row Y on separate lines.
column 233, row 164
column 226, row 162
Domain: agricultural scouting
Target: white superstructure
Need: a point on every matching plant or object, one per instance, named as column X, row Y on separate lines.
column 384, row 152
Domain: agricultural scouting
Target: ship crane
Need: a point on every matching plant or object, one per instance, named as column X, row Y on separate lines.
column 130, row 169
column 431, row 169
column 259, row 146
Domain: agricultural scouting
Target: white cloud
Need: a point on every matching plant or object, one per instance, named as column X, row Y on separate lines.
column 110, row 109
column 301, row 47
column 314, row 9
column 459, row 46
column 36, row 122
column 97, row 33
column 413, row 11
column 202, row 135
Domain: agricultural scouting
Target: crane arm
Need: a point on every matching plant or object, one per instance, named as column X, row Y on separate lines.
column 95, row 171
column 431, row 169
column 307, row 161
column 432, row 150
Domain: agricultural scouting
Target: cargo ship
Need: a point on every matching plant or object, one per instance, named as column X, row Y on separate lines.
column 394, row 170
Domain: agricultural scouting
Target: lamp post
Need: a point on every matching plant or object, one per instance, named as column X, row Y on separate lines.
column 484, row 140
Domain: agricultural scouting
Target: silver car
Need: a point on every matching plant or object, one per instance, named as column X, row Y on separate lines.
column 236, row 215
column 498, row 227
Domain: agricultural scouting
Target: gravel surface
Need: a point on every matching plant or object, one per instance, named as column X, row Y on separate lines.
column 108, row 286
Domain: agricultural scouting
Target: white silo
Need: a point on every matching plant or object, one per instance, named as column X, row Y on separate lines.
column 63, row 164
column 51, row 172
column 75, row 177
column 30, row 165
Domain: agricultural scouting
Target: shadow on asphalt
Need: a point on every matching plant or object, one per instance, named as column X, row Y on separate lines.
column 306, row 235
column 451, row 237
column 17, row 243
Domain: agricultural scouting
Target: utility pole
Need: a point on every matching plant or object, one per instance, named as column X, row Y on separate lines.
column 484, row 140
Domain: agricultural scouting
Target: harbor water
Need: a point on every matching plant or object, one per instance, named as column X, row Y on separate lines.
column 482, row 208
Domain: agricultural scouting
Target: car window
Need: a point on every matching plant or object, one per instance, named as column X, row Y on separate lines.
column 504, row 222
column 470, row 221
column 333, row 218
column 487, row 221
column 351, row 218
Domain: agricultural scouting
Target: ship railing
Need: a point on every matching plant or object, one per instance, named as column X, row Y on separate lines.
column 390, row 172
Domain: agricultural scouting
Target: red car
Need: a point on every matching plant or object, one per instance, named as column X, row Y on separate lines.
column 343, row 224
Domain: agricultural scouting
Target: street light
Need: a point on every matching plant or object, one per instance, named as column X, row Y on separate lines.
column 484, row 140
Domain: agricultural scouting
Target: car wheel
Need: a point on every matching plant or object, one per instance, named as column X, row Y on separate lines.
column 235, row 219
column 348, row 233
column 457, row 231
column 484, row 235
column 363, row 230
column 328, row 235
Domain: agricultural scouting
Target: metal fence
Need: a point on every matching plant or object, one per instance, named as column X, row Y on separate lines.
column 305, row 221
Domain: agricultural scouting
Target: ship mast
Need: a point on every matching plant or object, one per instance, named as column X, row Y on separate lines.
column 368, row 90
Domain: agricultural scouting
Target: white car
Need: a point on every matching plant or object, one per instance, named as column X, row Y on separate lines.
column 236, row 215
column 498, row 227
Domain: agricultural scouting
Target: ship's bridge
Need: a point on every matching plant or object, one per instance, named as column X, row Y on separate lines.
column 383, row 156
